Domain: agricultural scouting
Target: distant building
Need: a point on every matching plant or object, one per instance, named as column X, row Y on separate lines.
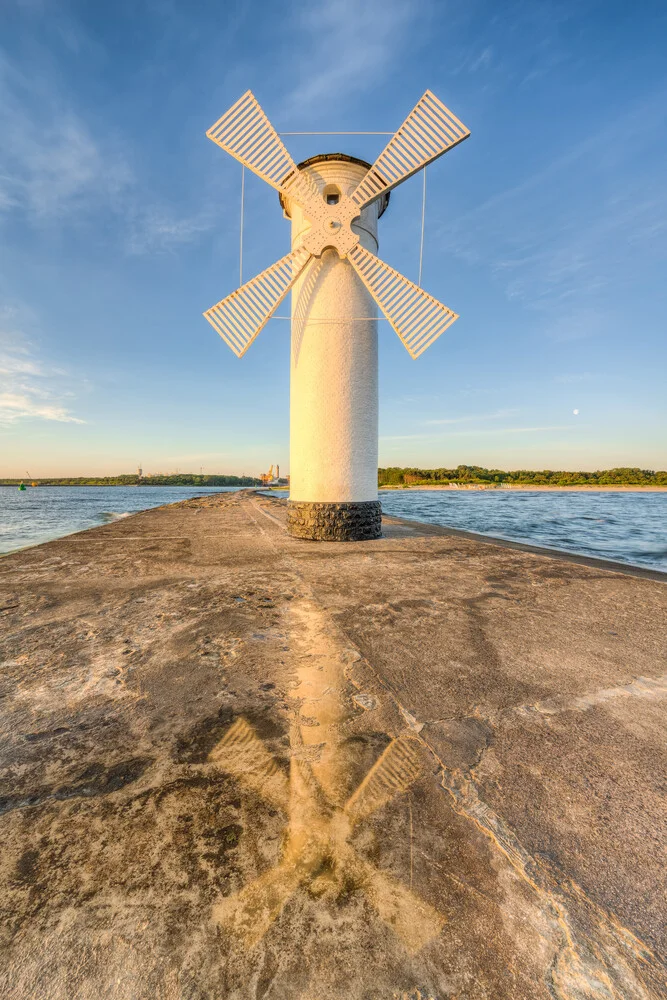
column 269, row 479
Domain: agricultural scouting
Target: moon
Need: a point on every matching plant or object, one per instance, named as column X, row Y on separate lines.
column 576, row 412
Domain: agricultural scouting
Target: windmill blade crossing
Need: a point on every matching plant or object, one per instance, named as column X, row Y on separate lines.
column 239, row 317
column 416, row 316
column 247, row 134
column 429, row 131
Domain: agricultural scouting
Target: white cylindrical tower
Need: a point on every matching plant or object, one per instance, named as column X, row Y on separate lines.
column 334, row 375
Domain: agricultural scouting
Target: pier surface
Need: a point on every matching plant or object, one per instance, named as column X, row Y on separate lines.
column 239, row 765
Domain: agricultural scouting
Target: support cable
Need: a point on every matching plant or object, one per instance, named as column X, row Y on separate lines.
column 241, row 226
column 421, row 241
column 335, row 133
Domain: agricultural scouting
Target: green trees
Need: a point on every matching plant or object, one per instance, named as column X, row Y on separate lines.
column 462, row 475
column 185, row 479
column 181, row 479
column 475, row 474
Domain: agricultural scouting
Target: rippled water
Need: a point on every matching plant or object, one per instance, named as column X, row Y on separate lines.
column 45, row 512
column 629, row 527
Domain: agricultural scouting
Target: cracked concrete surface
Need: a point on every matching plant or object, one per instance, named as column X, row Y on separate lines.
column 236, row 765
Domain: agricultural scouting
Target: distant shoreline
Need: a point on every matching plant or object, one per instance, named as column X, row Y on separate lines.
column 467, row 487
column 152, row 484
column 508, row 489
column 533, row 488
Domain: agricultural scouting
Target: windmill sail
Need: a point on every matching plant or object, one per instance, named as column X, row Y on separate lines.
column 392, row 773
column 247, row 134
column 251, row 912
column 243, row 754
column 239, row 317
column 415, row 921
column 429, row 131
column 416, row 316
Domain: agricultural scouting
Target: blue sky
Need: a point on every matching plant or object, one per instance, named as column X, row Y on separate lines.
column 546, row 230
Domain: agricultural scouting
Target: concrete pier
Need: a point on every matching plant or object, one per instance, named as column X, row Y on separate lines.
column 240, row 765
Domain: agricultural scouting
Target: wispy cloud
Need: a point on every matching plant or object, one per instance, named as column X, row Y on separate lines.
column 29, row 388
column 479, row 417
column 50, row 161
column 490, row 39
column 518, row 430
column 575, row 378
column 157, row 231
column 474, row 59
column 332, row 61
column 14, row 406
column 56, row 167
column 476, row 433
column 567, row 237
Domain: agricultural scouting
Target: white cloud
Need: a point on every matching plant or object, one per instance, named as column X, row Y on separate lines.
column 575, row 378
column 345, row 46
column 158, row 231
column 56, row 167
column 472, row 433
column 29, row 388
column 13, row 366
column 481, row 417
column 520, row 430
column 14, row 406
column 567, row 237
column 481, row 61
column 50, row 161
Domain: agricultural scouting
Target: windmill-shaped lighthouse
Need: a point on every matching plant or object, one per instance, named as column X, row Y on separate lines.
column 334, row 202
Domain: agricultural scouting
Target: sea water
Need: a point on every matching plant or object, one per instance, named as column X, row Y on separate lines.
column 630, row 526
column 41, row 513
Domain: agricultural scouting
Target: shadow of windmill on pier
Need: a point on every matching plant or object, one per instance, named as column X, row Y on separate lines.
column 317, row 854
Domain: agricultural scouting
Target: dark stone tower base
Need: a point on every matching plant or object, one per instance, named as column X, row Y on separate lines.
column 335, row 522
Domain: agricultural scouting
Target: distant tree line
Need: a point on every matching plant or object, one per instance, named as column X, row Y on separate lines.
column 181, row 479
column 462, row 475
column 469, row 474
